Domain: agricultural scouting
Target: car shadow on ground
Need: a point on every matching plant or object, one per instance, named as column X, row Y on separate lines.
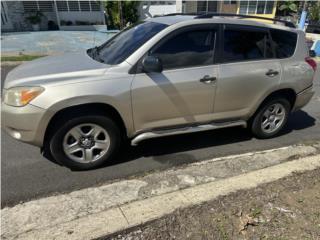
column 177, row 146
column 173, row 149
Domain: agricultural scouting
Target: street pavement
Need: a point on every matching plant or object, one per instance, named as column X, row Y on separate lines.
column 26, row 175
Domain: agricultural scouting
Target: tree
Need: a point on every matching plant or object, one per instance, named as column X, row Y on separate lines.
column 288, row 7
column 314, row 12
column 120, row 13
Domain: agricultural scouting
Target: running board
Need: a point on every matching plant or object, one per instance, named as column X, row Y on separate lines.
column 184, row 130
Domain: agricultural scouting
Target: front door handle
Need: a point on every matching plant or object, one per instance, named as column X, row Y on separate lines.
column 272, row 73
column 207, row 79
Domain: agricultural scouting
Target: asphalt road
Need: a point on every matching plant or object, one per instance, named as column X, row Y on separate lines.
column 26, row 175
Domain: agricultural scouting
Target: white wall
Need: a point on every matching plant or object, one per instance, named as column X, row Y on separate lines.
column 148, row 10
column 82, row 16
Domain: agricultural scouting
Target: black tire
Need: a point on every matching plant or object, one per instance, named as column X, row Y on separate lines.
column 62, row 128
column 257, row 119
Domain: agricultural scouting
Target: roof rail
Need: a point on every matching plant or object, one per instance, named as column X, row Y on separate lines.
column 176, row 14
column 210, row 15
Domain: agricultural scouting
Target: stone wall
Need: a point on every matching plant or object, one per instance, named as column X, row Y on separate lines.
column 17, row 16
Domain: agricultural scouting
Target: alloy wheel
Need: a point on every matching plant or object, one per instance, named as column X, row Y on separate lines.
column 273, row 118
column 86, row 143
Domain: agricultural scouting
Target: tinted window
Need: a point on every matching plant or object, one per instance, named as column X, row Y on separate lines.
column 126, row 42
column 241, row 45
column 192, row 48
column 284, row 42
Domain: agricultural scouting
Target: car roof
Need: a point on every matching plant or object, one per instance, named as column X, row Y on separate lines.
column 171, row 20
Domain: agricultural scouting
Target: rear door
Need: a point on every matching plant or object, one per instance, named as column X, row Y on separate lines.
column 248, row 70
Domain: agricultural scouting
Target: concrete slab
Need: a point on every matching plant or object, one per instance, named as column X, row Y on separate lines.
column 50, row 42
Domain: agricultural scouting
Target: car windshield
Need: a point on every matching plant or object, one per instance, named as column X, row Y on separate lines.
column 122, row 45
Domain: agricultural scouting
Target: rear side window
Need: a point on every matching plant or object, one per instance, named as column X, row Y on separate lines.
column 187, row 49
column 284, row 42
column 246, row 44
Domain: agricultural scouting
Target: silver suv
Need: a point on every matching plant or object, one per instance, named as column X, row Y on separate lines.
column 163, row 76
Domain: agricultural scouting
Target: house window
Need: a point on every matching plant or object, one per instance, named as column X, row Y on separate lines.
column 256, row 7
column 85, row 6
column 252, row 7
column 261, row 6
column 229, row 2
column 206, row 6
column 62, row 6
column 202, row 6
column 33, row 6
column 243, row 7
column 76, row 6
column 269, row 7
column 95, row 6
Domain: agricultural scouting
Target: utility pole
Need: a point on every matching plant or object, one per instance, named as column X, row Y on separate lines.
column 303, row 16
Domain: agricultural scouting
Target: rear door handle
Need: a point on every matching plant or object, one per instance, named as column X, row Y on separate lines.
column 272, row 73
column 207, row 79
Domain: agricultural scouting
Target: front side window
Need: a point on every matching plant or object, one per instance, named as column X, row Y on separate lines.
column 243, row 45
column 120, row 47
column 284, row 42
column 187, row 49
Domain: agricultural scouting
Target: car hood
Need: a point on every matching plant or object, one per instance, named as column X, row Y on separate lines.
column 54, row 68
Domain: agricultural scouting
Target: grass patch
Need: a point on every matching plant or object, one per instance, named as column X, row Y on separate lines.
column 20, row 58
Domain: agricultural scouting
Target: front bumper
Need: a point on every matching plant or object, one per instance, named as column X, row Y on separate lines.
column 303, row 98
column 24, row 123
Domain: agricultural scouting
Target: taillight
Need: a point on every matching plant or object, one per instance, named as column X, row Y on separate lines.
column 312, row 63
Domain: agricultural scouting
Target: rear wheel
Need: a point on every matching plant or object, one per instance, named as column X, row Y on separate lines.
column 85, row 142
column 271, row 118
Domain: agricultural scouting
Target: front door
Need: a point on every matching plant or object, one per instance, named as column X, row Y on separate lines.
column 184, row 92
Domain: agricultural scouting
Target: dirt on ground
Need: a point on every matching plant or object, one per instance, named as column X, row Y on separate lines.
column 286, row 209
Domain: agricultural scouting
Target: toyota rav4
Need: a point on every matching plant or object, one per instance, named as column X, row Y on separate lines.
column 163, row 76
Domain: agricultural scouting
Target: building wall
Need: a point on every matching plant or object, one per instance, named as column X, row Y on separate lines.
column 91, row 17
column 227, row 8
column 153, row 8
column 191, row 6
column 17, row 16
column 272, row 15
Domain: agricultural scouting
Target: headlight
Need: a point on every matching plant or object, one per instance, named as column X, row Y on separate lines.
column 21, row 96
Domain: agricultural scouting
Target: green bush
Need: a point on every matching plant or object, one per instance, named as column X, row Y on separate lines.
column 129, row 13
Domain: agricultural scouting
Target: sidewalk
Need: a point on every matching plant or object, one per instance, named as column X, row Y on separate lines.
column 100, row 211
column 288, row 208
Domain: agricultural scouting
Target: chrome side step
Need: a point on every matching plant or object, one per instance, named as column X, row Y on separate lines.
column 184, row 130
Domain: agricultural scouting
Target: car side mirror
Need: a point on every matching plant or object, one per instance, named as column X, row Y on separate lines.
column 152, row 64
column 312, row 53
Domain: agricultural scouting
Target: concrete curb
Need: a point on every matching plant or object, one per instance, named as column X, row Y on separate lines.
column 139, row 212
column 11, row 63
column 98, row 211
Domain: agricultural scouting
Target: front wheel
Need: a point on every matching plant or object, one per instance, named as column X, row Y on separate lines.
column 271, row 118
column 86, row 142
